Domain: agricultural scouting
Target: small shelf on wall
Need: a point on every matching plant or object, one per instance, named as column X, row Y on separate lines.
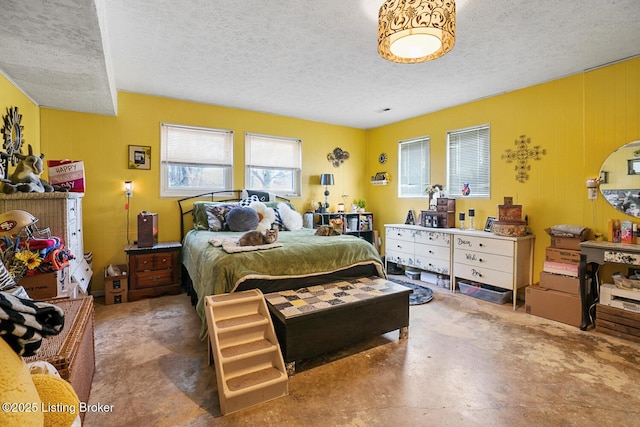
column 379, row 182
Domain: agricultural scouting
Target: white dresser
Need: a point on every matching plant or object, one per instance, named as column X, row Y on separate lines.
column 504, row 262
column 62, row 214
column 419, row 247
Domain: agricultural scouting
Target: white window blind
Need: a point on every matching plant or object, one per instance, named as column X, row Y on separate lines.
column 195, row 160
column 273, row 164
column 414, row 167
column 469, row 161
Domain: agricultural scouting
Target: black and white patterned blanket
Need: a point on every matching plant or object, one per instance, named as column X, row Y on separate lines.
column 24, row 323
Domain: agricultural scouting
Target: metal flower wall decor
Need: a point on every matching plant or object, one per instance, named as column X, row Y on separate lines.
column 337, row 157
column 521, row 156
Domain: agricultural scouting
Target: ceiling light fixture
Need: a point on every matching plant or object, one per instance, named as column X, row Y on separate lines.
column 411, row 31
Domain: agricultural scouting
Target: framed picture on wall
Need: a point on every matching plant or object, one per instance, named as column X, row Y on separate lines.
column 139, row 157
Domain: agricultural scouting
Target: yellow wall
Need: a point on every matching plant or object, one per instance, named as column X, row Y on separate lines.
column 10, row 96
column 578, row 120
column 102, row 143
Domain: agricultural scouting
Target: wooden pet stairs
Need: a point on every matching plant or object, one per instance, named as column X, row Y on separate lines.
column 247, row 358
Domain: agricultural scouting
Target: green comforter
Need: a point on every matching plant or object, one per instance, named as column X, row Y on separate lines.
column 214, row 271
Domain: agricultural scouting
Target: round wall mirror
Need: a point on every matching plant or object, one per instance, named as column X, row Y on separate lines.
column 620, row 179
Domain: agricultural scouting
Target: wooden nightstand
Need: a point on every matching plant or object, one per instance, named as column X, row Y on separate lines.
column 153, row 271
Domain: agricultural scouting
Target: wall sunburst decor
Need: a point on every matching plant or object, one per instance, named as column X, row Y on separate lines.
column 521, row 156
column 12, row 133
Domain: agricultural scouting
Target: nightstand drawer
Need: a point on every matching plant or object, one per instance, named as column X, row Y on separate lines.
column 144, row 262
column 153, row 278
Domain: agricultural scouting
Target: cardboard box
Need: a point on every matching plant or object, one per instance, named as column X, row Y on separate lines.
column 560, row 268
column 567, row 256
column 566, row 242
column 560, row 283
column 47, row 285
column 559, row 306
column 116, row 284
column 113, row 297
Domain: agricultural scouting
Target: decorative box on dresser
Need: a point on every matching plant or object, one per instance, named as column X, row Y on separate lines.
column 478, row 256
column 154, row 270
column 61, row 212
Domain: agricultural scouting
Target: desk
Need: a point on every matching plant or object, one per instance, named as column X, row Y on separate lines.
column 592, row 255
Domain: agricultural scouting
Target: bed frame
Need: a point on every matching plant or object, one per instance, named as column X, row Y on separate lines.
column 186, row 204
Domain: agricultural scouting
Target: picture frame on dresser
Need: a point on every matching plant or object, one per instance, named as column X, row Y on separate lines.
column 489, row 224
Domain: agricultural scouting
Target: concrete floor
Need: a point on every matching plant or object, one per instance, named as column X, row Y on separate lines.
column 467, row 362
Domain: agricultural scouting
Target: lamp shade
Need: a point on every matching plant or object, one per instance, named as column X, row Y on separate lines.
column 411, row 31
column 326, row 179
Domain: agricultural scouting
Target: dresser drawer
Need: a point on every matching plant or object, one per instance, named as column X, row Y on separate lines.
column 435, row 238
column 400, row 234
column 153, row 278
column 432, row 264
column 154, row 261
column 480, row 244
column 485, row 260
column 404, row 246
column 431, row 251
column 399, row 258
column 484, row 275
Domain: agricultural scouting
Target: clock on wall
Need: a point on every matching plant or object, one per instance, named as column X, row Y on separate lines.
column 382, row 158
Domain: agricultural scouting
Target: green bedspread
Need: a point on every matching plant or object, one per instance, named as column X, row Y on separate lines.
column 302, row 254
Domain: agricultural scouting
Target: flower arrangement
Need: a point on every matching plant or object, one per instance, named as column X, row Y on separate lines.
column 35, row 256
column 433, row 189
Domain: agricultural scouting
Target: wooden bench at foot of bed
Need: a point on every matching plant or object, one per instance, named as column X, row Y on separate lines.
column 318, row 319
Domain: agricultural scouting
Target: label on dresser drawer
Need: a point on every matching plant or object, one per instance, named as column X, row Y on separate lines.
column 484, row 260
column 484, row 275
column 483, row 244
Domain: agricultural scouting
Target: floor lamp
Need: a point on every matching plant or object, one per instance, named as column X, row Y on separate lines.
column 326, row 179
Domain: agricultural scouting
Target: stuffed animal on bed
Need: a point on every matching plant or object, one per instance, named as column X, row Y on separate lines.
column 257, row 238
column 333, row 229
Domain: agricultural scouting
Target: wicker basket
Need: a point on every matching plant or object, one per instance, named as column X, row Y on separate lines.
column 71, row 352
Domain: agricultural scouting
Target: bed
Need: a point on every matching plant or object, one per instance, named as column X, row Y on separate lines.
column 304, row 259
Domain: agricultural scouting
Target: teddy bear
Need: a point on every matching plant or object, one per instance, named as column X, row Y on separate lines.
column 31, row 398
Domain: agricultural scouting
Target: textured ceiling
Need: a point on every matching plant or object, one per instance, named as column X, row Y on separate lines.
column 314, row 60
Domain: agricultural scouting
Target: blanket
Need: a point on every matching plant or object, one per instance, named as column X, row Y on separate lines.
column 24, row 323
column 231, row 246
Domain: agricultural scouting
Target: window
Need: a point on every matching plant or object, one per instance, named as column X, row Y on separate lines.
column 273, row 164
column 195, row 160
column 413, row 167
column 469, row 161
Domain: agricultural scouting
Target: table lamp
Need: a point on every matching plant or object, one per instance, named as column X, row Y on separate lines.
column 326, row 179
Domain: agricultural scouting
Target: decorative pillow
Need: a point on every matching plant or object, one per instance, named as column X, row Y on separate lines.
column 248, row 200
column 267, row 215
column 288, row 218
column 242, row 219
column 263, row 196
column 217, row 216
